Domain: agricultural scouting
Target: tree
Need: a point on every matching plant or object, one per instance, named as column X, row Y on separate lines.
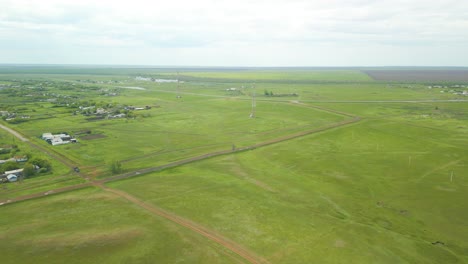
column 10, row 165
column 42, row 163
column 116, row 167
column 29, row 170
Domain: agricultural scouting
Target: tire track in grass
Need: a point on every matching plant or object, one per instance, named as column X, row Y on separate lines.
column 441, row 167
column 231, row 245
column 42, row 194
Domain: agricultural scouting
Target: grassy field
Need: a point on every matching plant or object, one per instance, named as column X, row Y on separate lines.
column 390, row 188
column 373, row 192
column 90, row 226
column 173, row 128
column 281, row 76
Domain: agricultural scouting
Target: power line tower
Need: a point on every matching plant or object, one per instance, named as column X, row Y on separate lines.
column 252, row 114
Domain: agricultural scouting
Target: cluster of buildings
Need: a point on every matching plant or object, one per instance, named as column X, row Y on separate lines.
column 14, row 175
column 109, row 113
column 16, row 159
column 11, row 176
column 58, row 139
column 458, row 89
column 149, row 79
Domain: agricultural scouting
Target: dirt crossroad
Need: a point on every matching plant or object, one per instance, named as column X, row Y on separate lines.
column 232, row 246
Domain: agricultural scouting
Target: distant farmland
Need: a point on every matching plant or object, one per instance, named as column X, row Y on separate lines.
column 419, row 75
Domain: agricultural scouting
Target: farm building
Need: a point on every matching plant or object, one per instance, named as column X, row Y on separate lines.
column 16, row 158
column 47, row 136
column 12, row 177
column 15, row 172
column 58, row 139
column 20, row 158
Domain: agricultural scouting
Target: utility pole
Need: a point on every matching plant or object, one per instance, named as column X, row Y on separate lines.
column 252, row 114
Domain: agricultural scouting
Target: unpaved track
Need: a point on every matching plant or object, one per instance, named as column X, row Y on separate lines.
column 441, row 167
column 178, row 163
column 230, row 151
column 42, row 194
column 172, row 164
column 234, row 247
column 56, row 156
column 14, row 133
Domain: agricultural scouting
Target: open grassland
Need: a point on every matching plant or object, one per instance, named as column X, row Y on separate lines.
column 378, row 191
column 391, row 187
column 94, row 226
column 281, row 76
column 173, row 129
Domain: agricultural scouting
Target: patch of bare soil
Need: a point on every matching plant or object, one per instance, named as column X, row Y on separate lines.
column 94, row 136
column 340, row 243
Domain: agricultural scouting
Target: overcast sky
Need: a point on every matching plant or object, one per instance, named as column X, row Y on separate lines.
column 235, row 32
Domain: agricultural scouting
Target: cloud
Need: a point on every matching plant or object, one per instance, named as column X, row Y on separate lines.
column 257, row 30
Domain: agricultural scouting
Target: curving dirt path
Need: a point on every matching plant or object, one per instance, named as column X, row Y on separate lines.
column 234, row 247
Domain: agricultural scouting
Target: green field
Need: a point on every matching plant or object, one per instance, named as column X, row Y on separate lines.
column 90, row 226
column 334, row 168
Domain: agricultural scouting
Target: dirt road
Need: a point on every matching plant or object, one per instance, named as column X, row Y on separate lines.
column 14, row 133
column 234, row 247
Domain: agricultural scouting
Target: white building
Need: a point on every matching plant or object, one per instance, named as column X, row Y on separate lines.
column 12, row 177
column 15, row 172
column 47, row 136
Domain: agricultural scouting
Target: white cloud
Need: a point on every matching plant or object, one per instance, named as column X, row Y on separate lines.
column 242, row 32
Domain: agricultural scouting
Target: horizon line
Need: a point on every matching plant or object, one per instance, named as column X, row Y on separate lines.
column 214, row 66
